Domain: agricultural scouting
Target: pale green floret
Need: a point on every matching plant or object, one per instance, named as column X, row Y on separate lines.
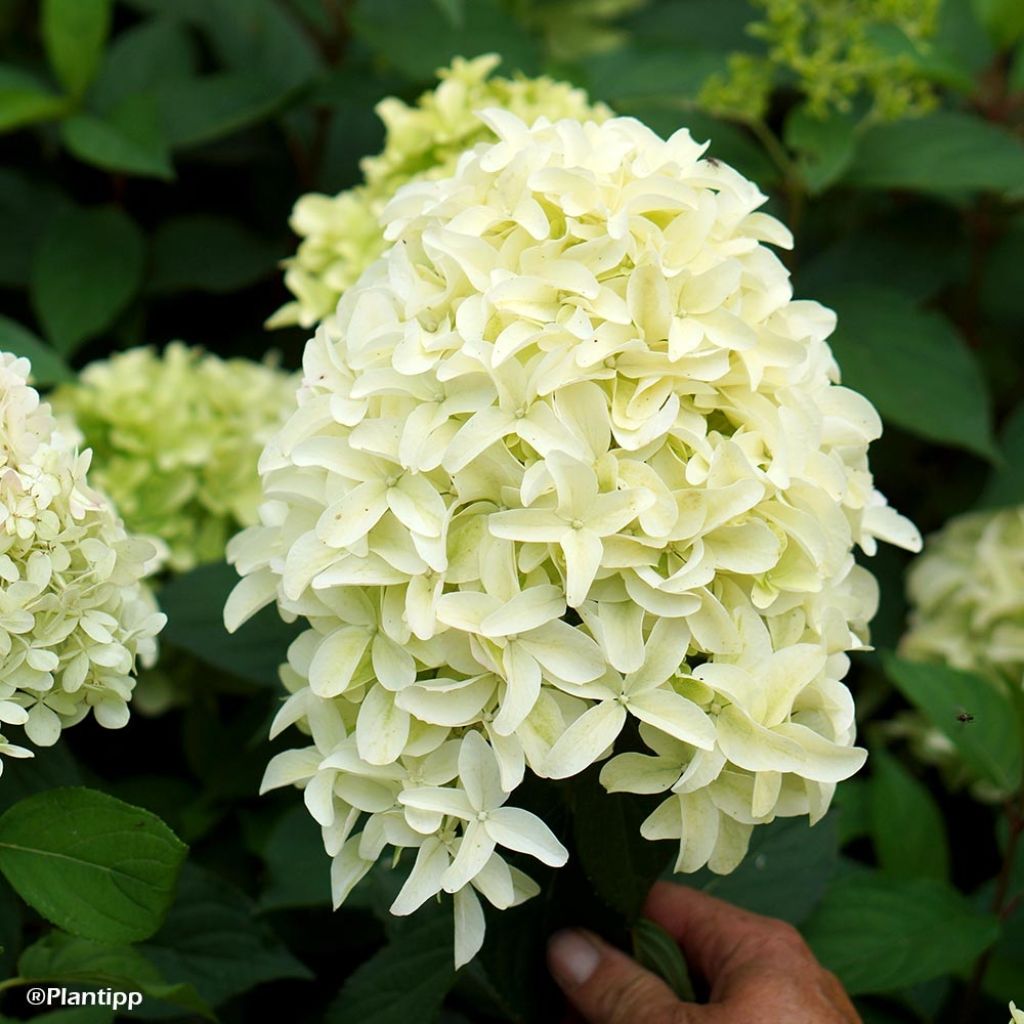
column 177, row 437
column 341, row 235
column 75, row 616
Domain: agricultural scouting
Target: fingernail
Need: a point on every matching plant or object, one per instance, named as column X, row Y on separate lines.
column 574, row 958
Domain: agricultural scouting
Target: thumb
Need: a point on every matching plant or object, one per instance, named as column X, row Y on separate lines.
column 608, row 987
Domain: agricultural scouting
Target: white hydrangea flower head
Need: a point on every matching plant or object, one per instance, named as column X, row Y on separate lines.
column 177, row 436
column 568, row 456
column 966, row 592
column 341, row 235
column 75, row 615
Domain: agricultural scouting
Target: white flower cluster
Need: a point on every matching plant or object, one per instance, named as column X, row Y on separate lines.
column 967, row 596
column 568, row 456
column 74, row 614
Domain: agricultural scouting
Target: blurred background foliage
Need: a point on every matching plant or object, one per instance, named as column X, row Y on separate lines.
column 150, row 155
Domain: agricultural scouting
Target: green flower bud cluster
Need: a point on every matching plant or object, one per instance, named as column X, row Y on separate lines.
column 177, row 438
column 835, row 52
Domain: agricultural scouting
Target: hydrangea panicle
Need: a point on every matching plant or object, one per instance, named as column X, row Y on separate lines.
column 75, row 614
column 177, row 436
column 569, row 454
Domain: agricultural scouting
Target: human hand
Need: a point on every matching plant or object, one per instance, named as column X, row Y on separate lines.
column 758, row 969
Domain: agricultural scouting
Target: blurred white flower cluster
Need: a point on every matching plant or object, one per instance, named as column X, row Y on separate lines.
column 1016, row 1016
column 569, row 456
column 967, row 596
column 342, row 234
column 75, row 616
column 176, row 436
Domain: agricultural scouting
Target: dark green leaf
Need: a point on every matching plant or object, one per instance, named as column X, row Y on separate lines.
column 619, row 862
column 297, row 867
column 1001, row 295
column 912, row 365
column 128, row 140
column 406, row 981
column 74, row 32
column 880, row 934
column 786, row 872
column 91, row 864
column 906, row 824
column 196, row 110
column 990, row 742
column 939, row 152
column 824, row 145
column 1006, row 484
column 852, row 805
column 656, row 950
column 47, row 367
column 65, row 958
column 194, row 604
column 427, row 42
column 630, row 74
column 141, row 59
column 210, row 254
column 214, row 940
column 49, row 768
column 86, row 270
column 26, row 208
column 259, row 38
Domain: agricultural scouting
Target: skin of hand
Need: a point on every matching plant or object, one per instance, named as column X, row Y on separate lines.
column 757, row 968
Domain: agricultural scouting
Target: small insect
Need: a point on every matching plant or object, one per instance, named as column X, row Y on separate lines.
column 964, row 716
column 713, row 161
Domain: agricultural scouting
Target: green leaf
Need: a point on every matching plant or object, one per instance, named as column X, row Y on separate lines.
column 990, row 742
column 1005, row 486
column 74, row 33
column 656, row 950
column 1003, row 20
column 880, row 934
column 786, row 872
column 25, row 100
column 883, row 342
column 621, row 865
column 297, row 867
column 939, row 152
column 90, row 864
column 10, row 930
column 66, row 958
column 128, row 140
column 427, row 42
column 86, row 270
column 852, row 804
column 209, row 253
column 47, row 367
column 824, row 145
column 194, row 605
column 197, row 110
column 406, row 981
column 141, row 59
column 214, row 940
column 632, row 73
column 906, row 824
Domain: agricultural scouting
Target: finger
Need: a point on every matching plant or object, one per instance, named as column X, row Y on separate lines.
column 731, row 948
column 608, row 987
